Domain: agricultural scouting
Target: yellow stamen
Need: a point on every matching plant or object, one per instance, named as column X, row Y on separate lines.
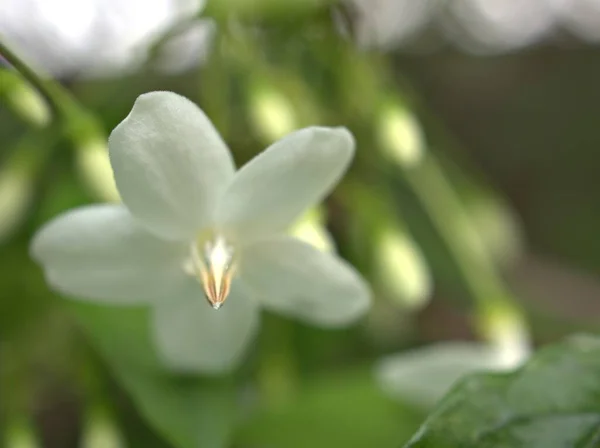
column 214, row 267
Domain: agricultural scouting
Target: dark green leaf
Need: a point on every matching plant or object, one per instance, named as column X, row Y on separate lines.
column 551, row 402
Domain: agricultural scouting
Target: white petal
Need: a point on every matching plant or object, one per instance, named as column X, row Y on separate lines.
column 295, row 279
column 270, row 192
column 423, row 376
column 100, row 253
column 170, row 164
column 193, row 337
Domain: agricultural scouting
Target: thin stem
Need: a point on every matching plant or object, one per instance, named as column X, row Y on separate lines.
column 61, row 103
column 277, row 368
column 436, row 196
column 440, row 203
column 75, row 122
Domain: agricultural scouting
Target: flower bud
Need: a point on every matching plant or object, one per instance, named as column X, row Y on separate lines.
column 19, row 433
column 100, row 431
column 400, row 136
column 17, row 184
column 311, row 230
column 94, row 166
column 91, row 158
column 506, row 330
column 272, row 113
column 402, row 268
column 22, row 99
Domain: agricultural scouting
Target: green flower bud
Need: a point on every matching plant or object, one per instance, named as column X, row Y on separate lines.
column 100, row 431
column 19, row 433
column 23, row 100
column 400, row 136
column 402, row 268
column 272, row 113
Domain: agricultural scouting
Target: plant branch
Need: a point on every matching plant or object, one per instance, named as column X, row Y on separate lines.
column 59, row 99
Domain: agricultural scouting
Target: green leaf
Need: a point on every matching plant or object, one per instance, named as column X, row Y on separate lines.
column 190, row 412
column 341, row 410
column 551, row 402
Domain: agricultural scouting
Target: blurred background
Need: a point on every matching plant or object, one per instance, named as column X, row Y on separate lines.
column 471, row 207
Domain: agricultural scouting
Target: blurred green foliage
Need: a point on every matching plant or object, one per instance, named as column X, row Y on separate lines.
column 414, row 203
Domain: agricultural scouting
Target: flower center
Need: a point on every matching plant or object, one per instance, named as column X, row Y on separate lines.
column 214, row 265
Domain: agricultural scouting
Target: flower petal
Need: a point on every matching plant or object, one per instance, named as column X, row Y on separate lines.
column 295, row 279
column 100, row 253
column 270, row 192
column 423, row 376
column 170, row 164
column 193, row 337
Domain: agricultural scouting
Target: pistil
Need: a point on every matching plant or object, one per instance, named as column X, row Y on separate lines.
column 214, row 266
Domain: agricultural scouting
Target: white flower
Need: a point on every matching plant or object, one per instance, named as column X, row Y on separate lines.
column 387, row 23
column 103, row 37
column 423, row 376
column 189, row 218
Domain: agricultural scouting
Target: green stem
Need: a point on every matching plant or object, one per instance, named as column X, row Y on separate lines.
column 58, row 98
column 443, row 208
column 75, row 122
column 277, row 368
column 493, row 299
